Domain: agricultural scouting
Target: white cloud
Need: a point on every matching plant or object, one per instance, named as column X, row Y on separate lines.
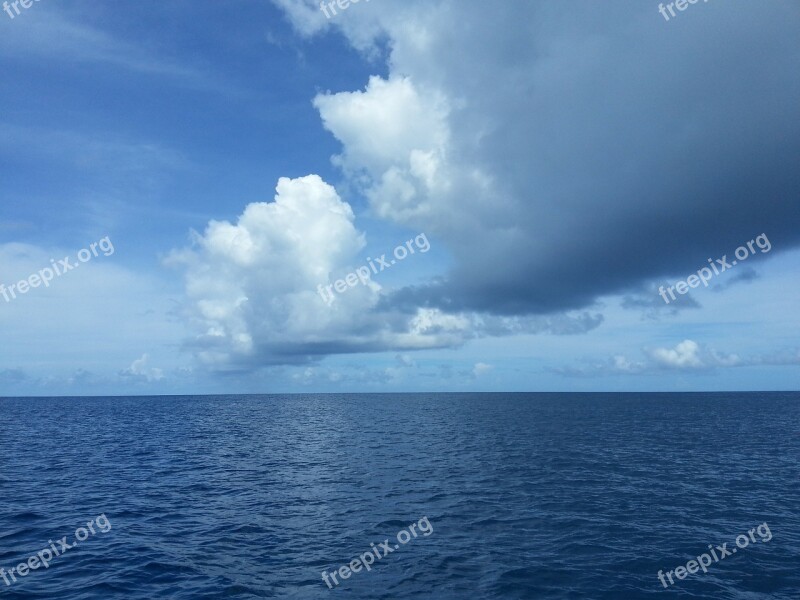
column 682, row 356
column 623, row 364
column 253, row 286
column 481, row 369
column 403, row 162
column 256, row 281
column 140, row 370
column 306, row 17
column 690, row 355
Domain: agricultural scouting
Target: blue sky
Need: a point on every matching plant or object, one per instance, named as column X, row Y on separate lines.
column 563, row 161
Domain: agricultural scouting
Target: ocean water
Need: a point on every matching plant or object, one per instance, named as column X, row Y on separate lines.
column 527, row 495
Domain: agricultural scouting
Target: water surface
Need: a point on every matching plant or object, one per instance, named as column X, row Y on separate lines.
column 528, row 495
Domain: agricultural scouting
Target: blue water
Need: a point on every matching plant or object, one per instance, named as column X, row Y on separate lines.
column 528, row 495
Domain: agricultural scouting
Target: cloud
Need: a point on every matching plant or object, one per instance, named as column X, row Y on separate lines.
column 138, row 370
column 254, row 283
column 307, row 18
column 684, row 355
column 255, row 290
column 561, row 155
column 255, row 295
column 624, row 365
column 481, row 369
column 403, row 164
column 81, row 377
column 362, row 25
column 745, row 275
column 646, row 299
column 404, row 360
column 687, row 356
column 540, row 147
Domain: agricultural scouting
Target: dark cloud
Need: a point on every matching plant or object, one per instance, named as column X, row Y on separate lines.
column 620, row 148
column 745, row 275
column 647, row 299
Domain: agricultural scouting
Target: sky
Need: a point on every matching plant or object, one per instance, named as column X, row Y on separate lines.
column 406, row 195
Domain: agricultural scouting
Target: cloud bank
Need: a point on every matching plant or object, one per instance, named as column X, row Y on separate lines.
column 561, row 152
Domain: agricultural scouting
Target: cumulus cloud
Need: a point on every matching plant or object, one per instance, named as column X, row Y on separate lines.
column 138, row 370
column 254, row 282
column 254, row 286
column 684, row 355
column 254, row 296
column 403, row 164
column 688, row 354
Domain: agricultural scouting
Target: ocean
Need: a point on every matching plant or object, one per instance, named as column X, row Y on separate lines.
column 509, row 495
